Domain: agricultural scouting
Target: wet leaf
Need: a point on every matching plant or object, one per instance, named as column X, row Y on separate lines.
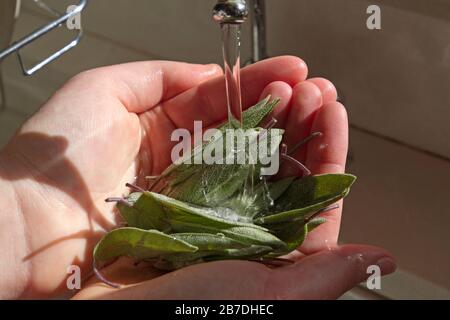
column 307, row 195
column 183, row 217
column 212, row 185
column 294, row 233
column 205, row 212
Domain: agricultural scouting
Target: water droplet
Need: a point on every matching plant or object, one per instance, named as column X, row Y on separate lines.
column 356, row 257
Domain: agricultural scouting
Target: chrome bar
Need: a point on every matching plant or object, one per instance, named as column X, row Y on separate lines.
column 259, row 36
column 16, row 46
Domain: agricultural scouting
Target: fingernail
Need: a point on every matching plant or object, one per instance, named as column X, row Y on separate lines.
column 387, row 265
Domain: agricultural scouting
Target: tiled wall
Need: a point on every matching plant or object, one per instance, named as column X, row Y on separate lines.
column 394, row 82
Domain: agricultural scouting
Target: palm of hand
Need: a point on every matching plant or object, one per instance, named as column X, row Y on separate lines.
column 108, row 126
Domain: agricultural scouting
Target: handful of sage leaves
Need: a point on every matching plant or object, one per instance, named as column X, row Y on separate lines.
column 196, row 213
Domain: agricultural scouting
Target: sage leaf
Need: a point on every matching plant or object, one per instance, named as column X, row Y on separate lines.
column 294, row 233
column 308, row 195
column 184, row 217
column 196, row 213
column 209, row 242
column 145, row 213
column 139, row 244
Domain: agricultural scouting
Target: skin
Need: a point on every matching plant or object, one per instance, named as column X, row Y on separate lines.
column 109, row 125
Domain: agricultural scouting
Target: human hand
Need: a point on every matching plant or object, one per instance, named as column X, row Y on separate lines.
column 109, row 125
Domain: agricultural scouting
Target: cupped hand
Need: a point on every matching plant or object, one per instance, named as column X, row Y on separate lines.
column 112, row 125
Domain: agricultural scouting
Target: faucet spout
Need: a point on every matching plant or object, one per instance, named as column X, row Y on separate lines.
column 230, row 11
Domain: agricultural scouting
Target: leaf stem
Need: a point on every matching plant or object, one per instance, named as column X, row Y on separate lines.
column 102, row 278
column 305, row 141
column 298, row 164
column 135, row 188
column 272, row 123
column 119, row 200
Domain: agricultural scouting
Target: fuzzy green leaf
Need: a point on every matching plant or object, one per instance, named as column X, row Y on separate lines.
column 208, row 245
column 209, row 242
column 294, row 233
column 183, row 212
column 145, row 213
column 212, row 185
column 308, row 195
column 253, row 116
column 138, row 244
column 199, row 212
column 184, row 217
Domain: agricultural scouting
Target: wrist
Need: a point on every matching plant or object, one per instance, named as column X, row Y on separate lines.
column 14, row 271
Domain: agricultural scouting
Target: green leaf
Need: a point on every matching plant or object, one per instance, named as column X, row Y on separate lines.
column 294, row 233
column 211, row 248
column 146, row 213
column 180, row 211
column 252, row 117
column 209, row 242
column 251, row 252
column 138, row 244
column 184, row 217
column 197, row 212
column 278, row 188
column 212, row 185
column 186, row 182
column 247, row 235
column 173, row 262
column 308, row 195
column 266, row 195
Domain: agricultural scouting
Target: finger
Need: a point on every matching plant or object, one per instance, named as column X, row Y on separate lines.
column 327, row 154
column 329, row 92
column 306, row 100
column 207, row 102
column 328, row 274
column 140, row 86
column 283, row 91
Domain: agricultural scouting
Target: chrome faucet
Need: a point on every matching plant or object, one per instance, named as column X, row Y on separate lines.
column 230, row 11
column 236, row 12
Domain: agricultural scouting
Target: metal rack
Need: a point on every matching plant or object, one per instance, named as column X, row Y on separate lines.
column 61, row 18
column 16, row 46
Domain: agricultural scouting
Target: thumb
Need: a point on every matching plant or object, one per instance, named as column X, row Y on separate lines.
column 329, row 274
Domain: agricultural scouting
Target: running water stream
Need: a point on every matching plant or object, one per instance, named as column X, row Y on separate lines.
column 231, row 47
